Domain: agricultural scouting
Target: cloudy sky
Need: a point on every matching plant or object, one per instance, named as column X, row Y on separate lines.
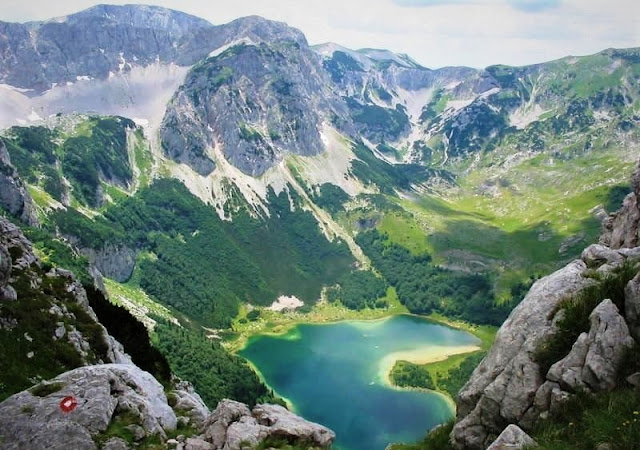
column 436, row 33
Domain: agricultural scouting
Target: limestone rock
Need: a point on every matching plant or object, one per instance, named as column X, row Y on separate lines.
column 115, row 443
column 190, row 403
column 634, row 379
column 596, row 255
column 609, row 339
column 632, row 306
column 227, row 412
column 622, row 228
column 116, row 262
column 232, row 425
column 29, row 421
column 512, row 438
column 504, row 386
column 594, row 359
column 14, row 196
column 198, row 444
column 283, row 423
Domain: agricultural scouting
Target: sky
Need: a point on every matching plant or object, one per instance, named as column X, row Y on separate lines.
column 435, row 33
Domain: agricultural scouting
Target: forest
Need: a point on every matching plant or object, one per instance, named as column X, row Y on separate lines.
column 204, row 266
column 215, row 373
column 425, row 288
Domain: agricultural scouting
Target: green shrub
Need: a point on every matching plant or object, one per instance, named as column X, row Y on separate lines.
column 576, row 312
column 437, row 439
column 44, row 389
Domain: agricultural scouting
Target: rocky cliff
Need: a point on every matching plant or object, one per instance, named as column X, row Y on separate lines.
column 14, row 197
column 82, row 389
column 94, row 43
column 570, row 334
column 45, row 318
column 261, row 97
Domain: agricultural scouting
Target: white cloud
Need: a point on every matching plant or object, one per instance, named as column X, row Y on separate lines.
column 447, row 32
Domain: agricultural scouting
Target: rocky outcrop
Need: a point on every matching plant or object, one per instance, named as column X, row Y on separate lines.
column 503, row 386
column 50, row 317
column 622, row 229
column 508, row 386
column 594, row 359
column 35, row 418
column 14, row 197
column 232, row 426
column 512, row 438
column 189, row 405
column 115, row 262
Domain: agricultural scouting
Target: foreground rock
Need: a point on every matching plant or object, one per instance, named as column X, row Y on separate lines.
column 34, row 418
column 503, row 386
column 512, row 438
column 509, row 387
column 233, row 426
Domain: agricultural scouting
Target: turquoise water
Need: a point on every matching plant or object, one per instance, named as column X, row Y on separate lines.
column 335, row 375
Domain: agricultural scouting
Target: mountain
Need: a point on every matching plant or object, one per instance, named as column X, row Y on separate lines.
column 205, row 172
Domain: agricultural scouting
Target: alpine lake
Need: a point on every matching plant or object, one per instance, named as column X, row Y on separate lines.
column 337, row 375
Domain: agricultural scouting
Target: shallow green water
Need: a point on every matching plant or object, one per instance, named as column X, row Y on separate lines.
column 334, row 375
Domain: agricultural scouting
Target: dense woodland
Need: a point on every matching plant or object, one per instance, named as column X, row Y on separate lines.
column 425, row 288
column 359, row 290
column 215, row 373
column 204, row 266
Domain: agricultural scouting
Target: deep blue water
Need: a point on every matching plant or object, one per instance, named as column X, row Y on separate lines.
column 334, row 375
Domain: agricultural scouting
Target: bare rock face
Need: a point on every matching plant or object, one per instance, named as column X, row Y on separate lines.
column 190, row 404
column 253, row 103
column 232, row 426
column 632, row 306
column 503, row 387
column 14, row 197
column 594, row 359
column 34, row 418
column 116, row 262
column 512, row 438
column 622, row 229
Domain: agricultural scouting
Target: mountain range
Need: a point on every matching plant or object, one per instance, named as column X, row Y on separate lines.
column 138, row 142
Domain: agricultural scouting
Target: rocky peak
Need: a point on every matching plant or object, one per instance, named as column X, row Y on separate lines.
column 95, row 43
column 136, row 16
column 254, row 102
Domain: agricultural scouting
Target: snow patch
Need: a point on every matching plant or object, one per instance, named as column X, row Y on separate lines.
column 218, row 51
column 34, row 116
column 83, row 78
column 522, row 117
column 15, row 89
column 284, row 302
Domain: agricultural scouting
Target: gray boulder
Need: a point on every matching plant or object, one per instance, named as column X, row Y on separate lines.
column 115, row 443
column 512, row 438
column 632, row 306
column 282, row 423
column 34, row 418
column 232, row 426
column 189, row 403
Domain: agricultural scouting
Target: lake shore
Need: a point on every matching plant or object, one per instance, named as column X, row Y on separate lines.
column 279, row 323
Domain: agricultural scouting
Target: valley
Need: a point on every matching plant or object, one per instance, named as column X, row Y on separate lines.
column 196, row 176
